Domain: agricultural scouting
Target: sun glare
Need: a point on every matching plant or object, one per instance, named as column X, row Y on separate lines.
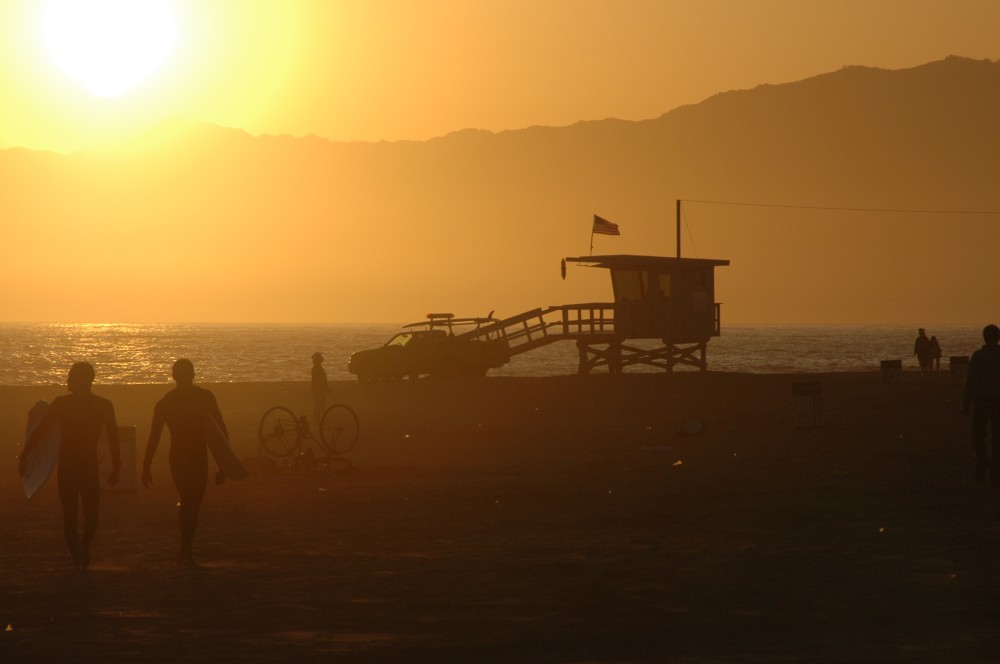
column 109, row 46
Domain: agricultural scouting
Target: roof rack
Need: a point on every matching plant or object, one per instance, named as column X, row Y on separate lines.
column 448, row 320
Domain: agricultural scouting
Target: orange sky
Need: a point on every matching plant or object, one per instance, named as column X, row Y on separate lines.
column 273, row 239
column 399, row 69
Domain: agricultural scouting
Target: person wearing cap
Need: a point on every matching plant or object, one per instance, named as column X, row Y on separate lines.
column 320, row 387
column 922, row 349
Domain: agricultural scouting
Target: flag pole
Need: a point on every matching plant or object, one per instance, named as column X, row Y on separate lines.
column 678, row 228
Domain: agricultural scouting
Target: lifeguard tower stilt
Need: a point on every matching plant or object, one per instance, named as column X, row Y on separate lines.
column 617, row 355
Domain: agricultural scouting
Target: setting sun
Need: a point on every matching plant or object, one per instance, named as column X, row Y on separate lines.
column 109, row 46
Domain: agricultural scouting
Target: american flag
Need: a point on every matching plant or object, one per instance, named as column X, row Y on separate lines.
column 605, row 227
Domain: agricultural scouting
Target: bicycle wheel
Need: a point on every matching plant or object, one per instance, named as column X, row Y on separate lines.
column 339, row 429
column 278, row 431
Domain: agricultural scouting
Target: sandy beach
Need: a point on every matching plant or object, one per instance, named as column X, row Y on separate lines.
column 562, row 519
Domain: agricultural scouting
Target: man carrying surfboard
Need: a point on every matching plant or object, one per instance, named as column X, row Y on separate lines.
column 80, row 416
column 189, row 412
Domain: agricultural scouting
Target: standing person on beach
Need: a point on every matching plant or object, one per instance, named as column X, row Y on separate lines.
column 922, row 349
column 982, row 389
column 320, row 387
column 185, row 410
column 934, row 359
column 80, row 416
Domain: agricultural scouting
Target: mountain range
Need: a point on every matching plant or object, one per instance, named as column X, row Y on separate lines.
column 854, row 196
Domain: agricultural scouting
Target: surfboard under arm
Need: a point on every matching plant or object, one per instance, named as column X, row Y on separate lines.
column 42, row 459
column 222, row 451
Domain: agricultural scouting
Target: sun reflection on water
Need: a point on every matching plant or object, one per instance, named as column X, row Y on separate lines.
column 38, row 354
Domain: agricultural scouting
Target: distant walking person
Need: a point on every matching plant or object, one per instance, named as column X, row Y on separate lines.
column 922, row 349
column 80, row 416
column 185, row 410
column 982, row 390
column 934, row 361
column 320, row 387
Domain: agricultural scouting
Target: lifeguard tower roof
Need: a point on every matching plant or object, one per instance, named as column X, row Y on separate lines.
column 647, row 262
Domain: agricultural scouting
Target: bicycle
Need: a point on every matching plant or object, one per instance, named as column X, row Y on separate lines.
column 282, row 434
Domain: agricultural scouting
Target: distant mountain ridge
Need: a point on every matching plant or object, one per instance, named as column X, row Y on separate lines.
column 301, row 229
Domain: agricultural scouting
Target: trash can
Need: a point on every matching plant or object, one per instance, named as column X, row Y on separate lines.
column 892, row 374
column 806, row 402
column 958, row 366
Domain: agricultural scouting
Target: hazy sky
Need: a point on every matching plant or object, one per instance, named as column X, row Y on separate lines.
column 414, row 69
column 208, row 237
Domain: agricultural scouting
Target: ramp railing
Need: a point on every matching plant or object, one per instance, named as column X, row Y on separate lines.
column 539, row 327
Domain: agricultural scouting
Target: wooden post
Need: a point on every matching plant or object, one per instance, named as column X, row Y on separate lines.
column 615, row 357
column 581, row 349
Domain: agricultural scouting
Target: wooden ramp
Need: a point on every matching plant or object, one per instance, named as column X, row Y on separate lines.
column 592, row 327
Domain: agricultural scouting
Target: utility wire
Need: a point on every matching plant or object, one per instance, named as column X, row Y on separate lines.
column 842, row 209
column 688, row 227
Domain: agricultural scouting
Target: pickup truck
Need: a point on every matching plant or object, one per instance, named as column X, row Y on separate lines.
column 431, row 348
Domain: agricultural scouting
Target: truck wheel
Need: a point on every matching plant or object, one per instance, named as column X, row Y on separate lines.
column 364, row 373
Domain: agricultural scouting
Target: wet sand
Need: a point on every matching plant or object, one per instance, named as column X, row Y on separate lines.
column 555, row 519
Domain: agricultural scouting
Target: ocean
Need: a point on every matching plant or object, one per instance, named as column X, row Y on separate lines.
column 41, row 353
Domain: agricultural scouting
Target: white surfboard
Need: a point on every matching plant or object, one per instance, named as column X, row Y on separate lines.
column 39, row 464
column 222, row 452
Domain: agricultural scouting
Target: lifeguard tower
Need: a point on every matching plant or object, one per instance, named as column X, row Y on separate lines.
column 656, row 297
column 670, row 300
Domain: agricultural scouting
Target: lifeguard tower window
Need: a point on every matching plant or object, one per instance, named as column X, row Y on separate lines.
column 627, row 285
column 640, row 285
column 659, row 285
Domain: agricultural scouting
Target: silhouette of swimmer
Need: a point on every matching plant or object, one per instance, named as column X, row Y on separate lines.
column 80, row 416
column 320, row 387
column 982, row 389
column 185, row 410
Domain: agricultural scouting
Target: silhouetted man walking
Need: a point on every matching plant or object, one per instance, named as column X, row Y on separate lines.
column 80, row 416
column 982, row 389
column 185, row 410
